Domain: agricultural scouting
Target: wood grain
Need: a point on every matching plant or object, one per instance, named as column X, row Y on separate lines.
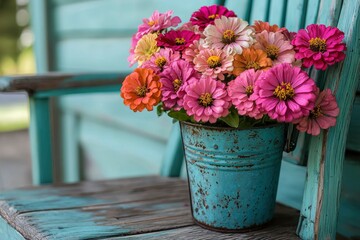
column 58, row 81
column 134, row 208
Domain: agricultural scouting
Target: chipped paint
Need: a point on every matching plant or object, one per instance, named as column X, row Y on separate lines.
column 233, row 174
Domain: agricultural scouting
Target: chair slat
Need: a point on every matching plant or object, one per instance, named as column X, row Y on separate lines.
column 242, row 9
column 320, row 207
column 277, row 12
column 295, row 16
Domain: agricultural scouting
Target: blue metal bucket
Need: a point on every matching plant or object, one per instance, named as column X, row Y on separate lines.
column 233, row 174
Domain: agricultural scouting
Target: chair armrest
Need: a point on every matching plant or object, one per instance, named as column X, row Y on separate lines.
column 64, row 82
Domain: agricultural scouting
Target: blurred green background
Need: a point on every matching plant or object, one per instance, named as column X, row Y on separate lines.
column 16, row 57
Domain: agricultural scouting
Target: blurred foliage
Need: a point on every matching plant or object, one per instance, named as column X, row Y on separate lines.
column 14, row 57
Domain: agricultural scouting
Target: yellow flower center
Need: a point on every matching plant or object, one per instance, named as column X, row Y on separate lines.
column 317, row 44
column 284, row 91
column 205, row 99
column 228, row 37
column 272, row 51
column 249, row 90
column 253, row 65
column 160, row 62
column 141, row 91
column 177, row 84
column 213, row 16
column 316, row 112
column 151, row 23
column 214, row 61
column 180, row 41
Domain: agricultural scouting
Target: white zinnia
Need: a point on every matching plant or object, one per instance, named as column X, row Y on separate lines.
column 230, row 34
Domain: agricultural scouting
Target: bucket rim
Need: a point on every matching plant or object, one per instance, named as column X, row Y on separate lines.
column 230, row 128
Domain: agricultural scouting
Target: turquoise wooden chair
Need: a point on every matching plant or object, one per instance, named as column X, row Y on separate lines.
column 320, row 205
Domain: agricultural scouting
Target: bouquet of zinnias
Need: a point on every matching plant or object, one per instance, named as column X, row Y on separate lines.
column 218, row 69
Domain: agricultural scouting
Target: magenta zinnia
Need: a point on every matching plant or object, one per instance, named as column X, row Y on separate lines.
column 214, row 63
column 322, row 116
column 177, row 40
column 174, row 79
column 206, row 100
column 286, row 93
column 319, row 45
column 207, row 14
column 241, row 92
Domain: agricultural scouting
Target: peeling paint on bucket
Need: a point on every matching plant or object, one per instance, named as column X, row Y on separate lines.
column 233, row 174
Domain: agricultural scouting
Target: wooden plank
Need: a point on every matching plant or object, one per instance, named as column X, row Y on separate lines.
column 40, row 141
column 295, row 18
column 8, row 232
column 259, row 10
column 312, row 12
column 70, row 148
column 39, row 25
column 59, row 81
column 138, row 208
column 174, row 156
column 95, row 16
column 322, row 190
column 281, row 228
column 277, row 12
column 242, row 9
column 107, row 54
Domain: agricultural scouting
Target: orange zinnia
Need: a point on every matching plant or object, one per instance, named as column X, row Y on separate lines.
column 260, row 26
column 141, row 89
column 251, row 59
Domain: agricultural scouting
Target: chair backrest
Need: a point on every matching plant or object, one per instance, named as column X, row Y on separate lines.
column 83, row 36
column 77, row 42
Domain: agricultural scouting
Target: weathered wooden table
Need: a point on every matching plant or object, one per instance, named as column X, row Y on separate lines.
column 134, row 208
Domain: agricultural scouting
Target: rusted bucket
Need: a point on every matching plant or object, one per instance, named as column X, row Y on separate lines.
column 233, row 174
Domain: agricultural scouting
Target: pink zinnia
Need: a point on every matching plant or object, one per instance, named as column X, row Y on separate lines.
column 134, row 40
column 161, row 60
column 214, row 63
column 174, row 80
column 322, row 116
column 319, row 46
column 206, row 100
column 157, row 22
column 231, row 34
column 276, row 47
column 207, row 14
column 241, row 92
column 286, row 93
column 177, row 40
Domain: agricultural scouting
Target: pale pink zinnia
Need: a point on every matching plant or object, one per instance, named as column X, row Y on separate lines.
column 231, row 34
column 214, row 63
column 286, row 93
column 193, row 50
column 241, row 92
column 161, row 60
column 174, row 80
column 206, row 100
column 319, row 45
column 276, row 47
column 157, row 22
column 322, row 116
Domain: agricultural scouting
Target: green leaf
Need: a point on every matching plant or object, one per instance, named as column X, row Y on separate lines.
column 179, row 115
column 160, row 110
column 232, row 119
